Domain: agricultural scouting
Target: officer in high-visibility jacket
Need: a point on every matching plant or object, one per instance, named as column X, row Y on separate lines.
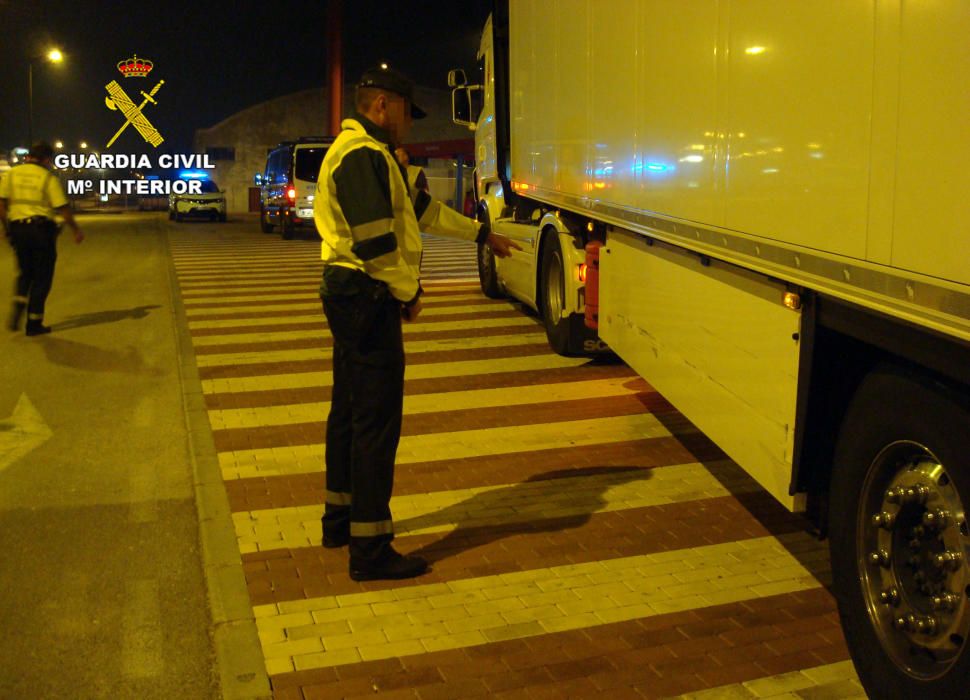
column 371, row 249
column 30, row 195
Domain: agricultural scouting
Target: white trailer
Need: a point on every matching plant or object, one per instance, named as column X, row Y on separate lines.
column 782, row 194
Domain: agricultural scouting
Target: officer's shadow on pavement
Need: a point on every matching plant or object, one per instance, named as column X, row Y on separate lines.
column 110, row 316
column 70, row 353
column 549, row 502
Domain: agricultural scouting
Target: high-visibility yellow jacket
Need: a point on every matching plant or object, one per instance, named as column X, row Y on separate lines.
column 367, row 217
column 31, row 190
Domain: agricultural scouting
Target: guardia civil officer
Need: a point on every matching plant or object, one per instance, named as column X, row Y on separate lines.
column 416, row 178
column 30, row 195
column 369, row 223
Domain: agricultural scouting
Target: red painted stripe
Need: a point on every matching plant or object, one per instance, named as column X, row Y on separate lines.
column 655, row 657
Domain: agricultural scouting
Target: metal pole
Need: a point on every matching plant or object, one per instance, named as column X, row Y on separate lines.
column 335, row 64
column 459, row 190
column 30, row 104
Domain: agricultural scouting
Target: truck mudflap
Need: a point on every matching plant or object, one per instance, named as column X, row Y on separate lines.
column 584, row 340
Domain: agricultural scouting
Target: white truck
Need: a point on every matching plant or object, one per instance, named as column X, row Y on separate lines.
column 778, row 193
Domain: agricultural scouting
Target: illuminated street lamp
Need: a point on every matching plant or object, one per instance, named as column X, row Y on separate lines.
column 54, row 56
column 58, row 144
column 84, row 144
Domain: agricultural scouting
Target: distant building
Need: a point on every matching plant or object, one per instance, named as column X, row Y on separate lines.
column 238, row 145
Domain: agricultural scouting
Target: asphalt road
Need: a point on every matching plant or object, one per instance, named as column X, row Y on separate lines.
column 101, row 588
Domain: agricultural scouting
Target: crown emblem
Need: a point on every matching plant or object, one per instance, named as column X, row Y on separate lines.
column 135, row 67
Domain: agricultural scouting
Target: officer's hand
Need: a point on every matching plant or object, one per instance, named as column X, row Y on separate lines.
column 501, row 245
column 409, row 313
column 78, row 236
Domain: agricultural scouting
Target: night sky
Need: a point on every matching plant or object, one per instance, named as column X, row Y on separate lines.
column 216, row 58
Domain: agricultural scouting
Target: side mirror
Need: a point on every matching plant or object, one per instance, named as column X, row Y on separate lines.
column 461, row 106
column 457, row 78
column 466, row 105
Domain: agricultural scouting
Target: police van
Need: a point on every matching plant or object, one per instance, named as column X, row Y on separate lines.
column 288, row 182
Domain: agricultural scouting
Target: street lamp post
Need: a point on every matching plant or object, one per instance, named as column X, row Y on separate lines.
column 54, row 56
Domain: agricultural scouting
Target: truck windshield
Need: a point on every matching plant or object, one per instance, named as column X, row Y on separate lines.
column 209, row 186
column 308, row 163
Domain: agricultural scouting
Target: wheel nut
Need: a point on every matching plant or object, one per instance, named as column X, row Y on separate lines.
column 949, row 560
column 879, row 558
column 926, row 625
column 890, row 596
column 892, row 495
column 936, row 519
column 884, row 520
column 946, row 602
column 901, row 623
column 914, row 494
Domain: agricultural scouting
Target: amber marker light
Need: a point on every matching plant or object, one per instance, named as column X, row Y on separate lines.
column 291, row 193
column 792, row 300
column 582, row 272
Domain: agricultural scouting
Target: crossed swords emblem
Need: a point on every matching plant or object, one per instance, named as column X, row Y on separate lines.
column 119, row 100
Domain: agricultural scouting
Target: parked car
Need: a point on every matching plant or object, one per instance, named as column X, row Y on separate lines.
column 288, row 182
column 210, row 203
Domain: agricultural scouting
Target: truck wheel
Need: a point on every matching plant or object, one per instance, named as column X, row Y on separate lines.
column 264, row 225
column 553, row 296
column 488, row 274
column 898, row 536
column 287, row 228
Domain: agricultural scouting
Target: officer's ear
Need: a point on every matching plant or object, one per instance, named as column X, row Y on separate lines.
column 380, row 102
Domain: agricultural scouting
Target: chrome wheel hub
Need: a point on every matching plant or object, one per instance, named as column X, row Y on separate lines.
column 912, row 536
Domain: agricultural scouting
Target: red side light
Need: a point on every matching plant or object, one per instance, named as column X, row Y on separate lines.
column 291, row 194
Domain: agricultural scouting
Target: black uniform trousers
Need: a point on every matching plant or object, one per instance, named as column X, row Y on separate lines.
column 35, row 242
column 364, row 425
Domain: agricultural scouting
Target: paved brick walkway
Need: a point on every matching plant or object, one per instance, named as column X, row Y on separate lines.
column 585, row 538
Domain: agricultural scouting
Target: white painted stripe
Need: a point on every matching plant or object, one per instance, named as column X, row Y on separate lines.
column 411, row 347
column 838, row 680
column 409, row 329
column 418, row 619
column 302, row 459
column 314, row 304
column 276, row 382
column 283, row 318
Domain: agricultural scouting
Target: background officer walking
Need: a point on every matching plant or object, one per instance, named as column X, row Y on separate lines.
column 369, row 223
column 30, row 194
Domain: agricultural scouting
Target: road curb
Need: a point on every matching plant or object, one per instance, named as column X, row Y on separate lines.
column 239, row 656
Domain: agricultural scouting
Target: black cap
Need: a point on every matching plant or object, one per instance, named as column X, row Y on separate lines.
column 41, row 151
column 392, row 81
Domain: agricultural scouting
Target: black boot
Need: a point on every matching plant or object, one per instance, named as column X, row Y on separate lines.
column 16, row 314
column 37, row 327
column 389, row 565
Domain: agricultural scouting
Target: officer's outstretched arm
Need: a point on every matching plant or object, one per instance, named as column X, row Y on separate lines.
column 438, row 218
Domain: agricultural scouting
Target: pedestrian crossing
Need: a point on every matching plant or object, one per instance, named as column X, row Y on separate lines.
column 584, row 537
